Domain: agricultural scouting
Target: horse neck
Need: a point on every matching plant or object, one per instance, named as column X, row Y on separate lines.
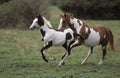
column 75, row 23
column 85, row 25
column 45, row 28
column 42, row 32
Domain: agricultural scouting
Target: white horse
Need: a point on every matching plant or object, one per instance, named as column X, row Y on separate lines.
column 90, row 36
column 52, row 37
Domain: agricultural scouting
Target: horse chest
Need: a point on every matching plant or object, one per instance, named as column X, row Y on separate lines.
column 93, row 39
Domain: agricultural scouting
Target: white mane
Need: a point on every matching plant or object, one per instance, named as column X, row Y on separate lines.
column 47, row 22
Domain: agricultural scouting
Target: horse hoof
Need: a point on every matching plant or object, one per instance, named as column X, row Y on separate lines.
column 100, row 63
column 59, row 66
column 63, row 63
column 83, row 63
column 53, row 59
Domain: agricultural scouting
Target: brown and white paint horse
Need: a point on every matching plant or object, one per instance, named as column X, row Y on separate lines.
column 90, row 36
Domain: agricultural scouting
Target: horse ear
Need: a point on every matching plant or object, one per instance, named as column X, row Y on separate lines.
column 38, row 15
column 65, row 14
column 40, row 19
column 68, row 14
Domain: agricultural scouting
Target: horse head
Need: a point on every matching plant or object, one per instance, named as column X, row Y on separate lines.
column 65, row 21
column 37, row 22
column 40, row 21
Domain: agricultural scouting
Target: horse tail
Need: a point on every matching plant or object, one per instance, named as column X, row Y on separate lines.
column 111, row 40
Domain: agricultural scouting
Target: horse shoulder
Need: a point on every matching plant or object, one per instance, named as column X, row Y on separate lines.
column 49, row 35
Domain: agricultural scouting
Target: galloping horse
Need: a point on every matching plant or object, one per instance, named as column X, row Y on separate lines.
column 52, row 37
column 90, row 36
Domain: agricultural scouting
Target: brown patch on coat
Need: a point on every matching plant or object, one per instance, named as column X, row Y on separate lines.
column 105, row 35
column 83, row 31
column 103, row 31
column 79, row 22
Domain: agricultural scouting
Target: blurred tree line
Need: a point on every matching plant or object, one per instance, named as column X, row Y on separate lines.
column 91, row 9
column 3, row 1
column 20, row 13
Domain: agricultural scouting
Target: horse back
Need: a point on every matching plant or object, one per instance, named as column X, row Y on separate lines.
column 105, row 33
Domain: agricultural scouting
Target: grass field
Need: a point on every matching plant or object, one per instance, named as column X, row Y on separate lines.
column 20, row 56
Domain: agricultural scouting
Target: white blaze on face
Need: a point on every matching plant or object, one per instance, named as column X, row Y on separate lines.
column 60, row 24
column 34, row 23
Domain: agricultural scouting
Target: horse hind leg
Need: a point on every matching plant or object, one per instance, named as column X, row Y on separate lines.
column 67, row 52
column 89, row 53
column 76, row 43
column 67, row 48
column 63, row 59
column 103, row 56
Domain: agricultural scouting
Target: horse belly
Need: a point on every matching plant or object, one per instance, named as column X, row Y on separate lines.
column 59, row 39
column 93, row 39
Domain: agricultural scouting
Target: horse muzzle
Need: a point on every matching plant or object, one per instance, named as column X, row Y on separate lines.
column 32, row 28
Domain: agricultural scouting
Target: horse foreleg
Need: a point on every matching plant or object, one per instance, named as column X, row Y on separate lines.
column 45, row 58
column 49, row 58
column 103, row 56
column 89, row 53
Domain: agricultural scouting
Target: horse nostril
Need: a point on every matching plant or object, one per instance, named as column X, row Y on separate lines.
column 31, row 28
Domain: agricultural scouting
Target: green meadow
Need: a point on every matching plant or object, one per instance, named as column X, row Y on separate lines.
column 20, row 55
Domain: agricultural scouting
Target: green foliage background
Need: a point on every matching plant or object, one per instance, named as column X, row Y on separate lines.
column 20, row 13
column 91, row 9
